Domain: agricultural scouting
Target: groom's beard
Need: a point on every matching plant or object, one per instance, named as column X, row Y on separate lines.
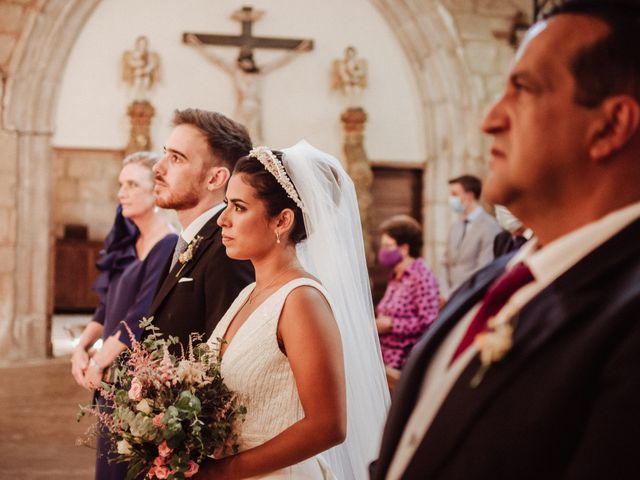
column 180, row 197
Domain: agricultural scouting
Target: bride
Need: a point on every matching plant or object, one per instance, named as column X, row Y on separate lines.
column 299, row 346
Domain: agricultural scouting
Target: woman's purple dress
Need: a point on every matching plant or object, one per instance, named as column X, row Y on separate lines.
column 412, row 301
column 126, row 286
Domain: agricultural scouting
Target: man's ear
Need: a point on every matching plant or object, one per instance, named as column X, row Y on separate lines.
column 470, row 196
column 617, row 124
column 217, row 178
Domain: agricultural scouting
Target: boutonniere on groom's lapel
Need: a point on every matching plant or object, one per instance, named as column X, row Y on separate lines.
column 187, row 255
column 494, row 342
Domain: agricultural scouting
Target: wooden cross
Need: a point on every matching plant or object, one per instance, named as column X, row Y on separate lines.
column 246, row 16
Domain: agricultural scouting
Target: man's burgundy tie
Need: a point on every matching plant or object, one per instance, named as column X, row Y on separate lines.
column 495, row 298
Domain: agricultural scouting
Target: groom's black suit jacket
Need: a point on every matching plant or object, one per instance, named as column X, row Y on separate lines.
column 563, row 403
column 195, row 299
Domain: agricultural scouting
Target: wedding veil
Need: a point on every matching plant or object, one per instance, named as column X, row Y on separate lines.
column 334, row 252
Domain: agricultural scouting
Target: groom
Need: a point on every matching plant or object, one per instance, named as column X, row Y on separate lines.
column 200, row 281
column 557, row 393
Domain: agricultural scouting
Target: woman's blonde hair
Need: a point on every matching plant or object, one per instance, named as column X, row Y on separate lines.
column 146, row 159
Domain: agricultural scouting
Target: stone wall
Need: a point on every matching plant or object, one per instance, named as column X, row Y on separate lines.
column 486, row 59
column 84, row 190
column 8, row 149
column 35, row 40
column 460, row 67
column 13, row 17
column 478, row 24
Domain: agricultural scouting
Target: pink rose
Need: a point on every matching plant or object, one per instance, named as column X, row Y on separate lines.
column 135, row 392
column 157, row 420
column 152, row 472
column 162, row 472
column 192, row 469
column 164, row 450
column 158, row 461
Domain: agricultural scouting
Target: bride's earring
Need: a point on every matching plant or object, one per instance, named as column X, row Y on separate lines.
column 277, row 236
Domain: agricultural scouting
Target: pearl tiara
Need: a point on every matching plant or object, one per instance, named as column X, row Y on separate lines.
column 275, row 167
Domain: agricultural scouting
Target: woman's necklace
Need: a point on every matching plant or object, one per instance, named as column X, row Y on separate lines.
column 258, row 291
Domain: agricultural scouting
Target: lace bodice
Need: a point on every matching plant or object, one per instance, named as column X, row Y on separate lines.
column 256, row 369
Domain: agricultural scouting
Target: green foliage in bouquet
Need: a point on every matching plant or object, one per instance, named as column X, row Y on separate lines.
column 165, row 413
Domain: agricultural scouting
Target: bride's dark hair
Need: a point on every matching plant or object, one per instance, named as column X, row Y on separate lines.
column 271, row 192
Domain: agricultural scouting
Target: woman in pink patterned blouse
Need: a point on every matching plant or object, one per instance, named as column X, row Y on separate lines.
column 411, row 301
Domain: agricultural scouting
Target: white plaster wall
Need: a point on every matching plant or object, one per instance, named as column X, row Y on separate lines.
column 297, row 99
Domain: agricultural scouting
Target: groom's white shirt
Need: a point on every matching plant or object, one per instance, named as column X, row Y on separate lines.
column 194, row 227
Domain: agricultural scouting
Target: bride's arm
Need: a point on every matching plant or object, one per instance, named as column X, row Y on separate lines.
column 313, row 347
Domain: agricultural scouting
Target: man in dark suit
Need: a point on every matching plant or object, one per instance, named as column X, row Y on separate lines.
column 513, row 235
column 533, row 373
column 200, row 281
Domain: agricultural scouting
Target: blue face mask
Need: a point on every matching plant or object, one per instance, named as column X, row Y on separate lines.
column 456, row 204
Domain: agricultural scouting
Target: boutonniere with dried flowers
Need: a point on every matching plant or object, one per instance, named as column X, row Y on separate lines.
column 494, row 343
column 187, row 255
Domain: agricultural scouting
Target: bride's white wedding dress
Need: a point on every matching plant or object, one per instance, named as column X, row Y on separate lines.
column 255, row 368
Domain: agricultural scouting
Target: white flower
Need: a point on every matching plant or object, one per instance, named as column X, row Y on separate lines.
column 123, row 447
column 136, row 429
column 144, row 407
column 187, row 255
column 493, row 344
column 191, row 372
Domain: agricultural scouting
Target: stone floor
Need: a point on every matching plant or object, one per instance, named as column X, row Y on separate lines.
column 38, row 428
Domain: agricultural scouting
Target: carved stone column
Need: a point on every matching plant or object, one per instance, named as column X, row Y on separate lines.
column 358, row 168
column 32, row 76
column 140, row 115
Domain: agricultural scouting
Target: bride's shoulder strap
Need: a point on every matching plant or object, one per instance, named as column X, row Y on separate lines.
column 291, row 285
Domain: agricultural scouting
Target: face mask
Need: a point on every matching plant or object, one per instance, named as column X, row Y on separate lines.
column 506, row 219
column 389, row 258
column 456, row 204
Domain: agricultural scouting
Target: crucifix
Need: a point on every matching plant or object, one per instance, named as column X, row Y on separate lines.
column 245, row 72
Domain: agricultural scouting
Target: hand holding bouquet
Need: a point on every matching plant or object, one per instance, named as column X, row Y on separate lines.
column 166, row 413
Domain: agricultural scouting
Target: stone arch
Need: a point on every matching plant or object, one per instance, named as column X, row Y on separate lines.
column 32, row 82
column 428, row 35
column 450, row 102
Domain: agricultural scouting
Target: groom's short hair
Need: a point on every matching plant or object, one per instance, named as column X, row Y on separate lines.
column 228, row 140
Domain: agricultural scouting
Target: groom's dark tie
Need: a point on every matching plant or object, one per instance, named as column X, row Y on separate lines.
column 496, row 297
column 181, row 246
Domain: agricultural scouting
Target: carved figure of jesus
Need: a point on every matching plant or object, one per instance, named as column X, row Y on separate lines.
column 246, row 76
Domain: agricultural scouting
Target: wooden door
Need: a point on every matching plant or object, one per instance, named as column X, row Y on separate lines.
column 75, row 273
column 396, row 189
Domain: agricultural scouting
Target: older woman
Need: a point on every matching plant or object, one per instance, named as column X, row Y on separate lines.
column 411, row 301
column 136, row 249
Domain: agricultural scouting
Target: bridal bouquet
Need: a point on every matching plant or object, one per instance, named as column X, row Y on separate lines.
column 165, row 413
